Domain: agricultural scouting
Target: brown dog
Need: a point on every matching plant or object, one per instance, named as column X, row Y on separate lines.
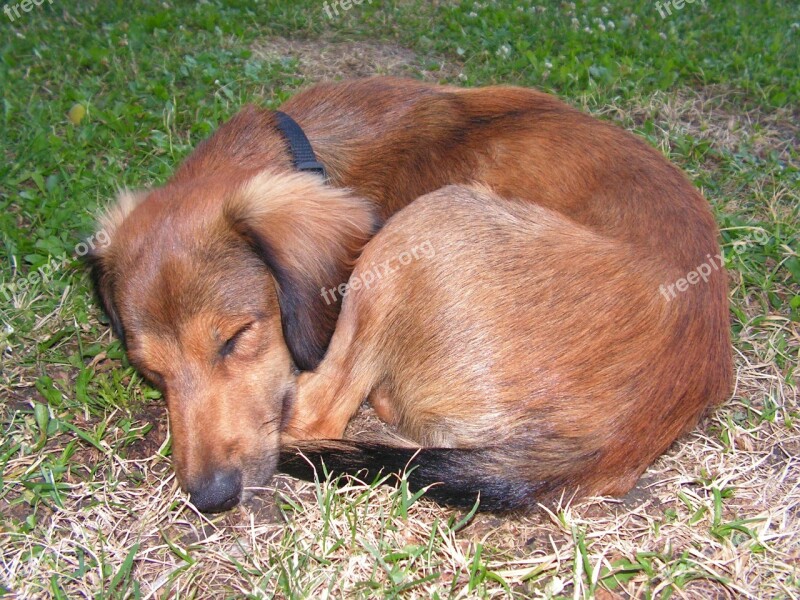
column 217, row 282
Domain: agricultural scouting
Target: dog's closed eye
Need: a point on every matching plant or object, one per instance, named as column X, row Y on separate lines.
column 156, row 379
column 230, row 344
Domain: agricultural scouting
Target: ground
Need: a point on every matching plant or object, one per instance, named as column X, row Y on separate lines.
column 98, row 96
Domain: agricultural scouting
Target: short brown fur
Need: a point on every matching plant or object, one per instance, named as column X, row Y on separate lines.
column 214, row 282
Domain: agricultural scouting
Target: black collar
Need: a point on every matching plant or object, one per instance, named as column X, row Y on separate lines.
column 299, row 146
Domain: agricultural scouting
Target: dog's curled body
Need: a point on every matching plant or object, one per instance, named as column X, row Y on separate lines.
column 215, row 281
column 540, row 348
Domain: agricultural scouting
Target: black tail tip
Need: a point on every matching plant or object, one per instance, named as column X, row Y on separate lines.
column 457, row 477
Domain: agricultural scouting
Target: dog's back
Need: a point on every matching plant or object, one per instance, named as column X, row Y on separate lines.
column 393, row 140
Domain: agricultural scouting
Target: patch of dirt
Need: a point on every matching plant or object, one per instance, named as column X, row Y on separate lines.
column 15, row 509
column 15, row 400
column 323, row 59
column 154, row 414
column 264, row 506
column 19, row 399
column 366, row 426
column 642, row 493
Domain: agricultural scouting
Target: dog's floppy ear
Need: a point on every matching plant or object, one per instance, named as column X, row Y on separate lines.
column 99, row 254
column 309, row 235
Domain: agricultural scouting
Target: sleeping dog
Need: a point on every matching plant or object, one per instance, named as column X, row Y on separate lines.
column 533, row 353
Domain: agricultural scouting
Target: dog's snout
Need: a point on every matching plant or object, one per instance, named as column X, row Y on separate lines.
column 217, row 493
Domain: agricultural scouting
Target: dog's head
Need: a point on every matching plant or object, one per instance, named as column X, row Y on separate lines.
column 216, row 289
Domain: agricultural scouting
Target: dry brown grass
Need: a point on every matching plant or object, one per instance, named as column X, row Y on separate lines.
column 326, row 59
column 709, row 114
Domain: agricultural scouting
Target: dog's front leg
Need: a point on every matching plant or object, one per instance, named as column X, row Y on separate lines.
column 328, row 398
column 324, row 405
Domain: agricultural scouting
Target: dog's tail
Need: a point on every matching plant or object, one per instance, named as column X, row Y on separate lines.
column 454, row 476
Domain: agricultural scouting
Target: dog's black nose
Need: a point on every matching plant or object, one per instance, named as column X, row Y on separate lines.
column 219, row 492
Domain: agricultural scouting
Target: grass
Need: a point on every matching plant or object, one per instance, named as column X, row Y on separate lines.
column 88, row 501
